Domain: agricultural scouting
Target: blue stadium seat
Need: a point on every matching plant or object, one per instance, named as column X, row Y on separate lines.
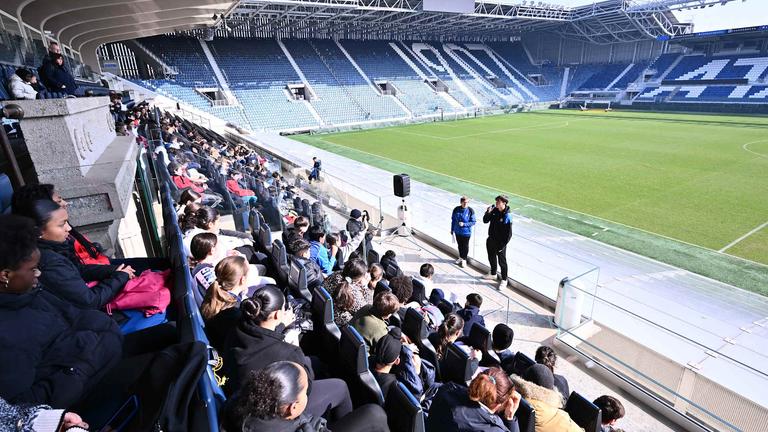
column 6, row 194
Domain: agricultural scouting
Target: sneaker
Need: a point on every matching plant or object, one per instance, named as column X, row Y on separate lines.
column 490, row 277
column 461, row 263
column 503, row 284
column 458, row 262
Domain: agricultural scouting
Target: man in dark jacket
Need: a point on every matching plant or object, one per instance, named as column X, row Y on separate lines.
column 499, row 235
column 56, row 77
column 296, row 232
column 462, row 221
column 315, row 275
column 471, row 312
column 355, row 225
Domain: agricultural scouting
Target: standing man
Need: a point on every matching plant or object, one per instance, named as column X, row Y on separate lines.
column 499, row 234
column 462, row 221
column 316, row 168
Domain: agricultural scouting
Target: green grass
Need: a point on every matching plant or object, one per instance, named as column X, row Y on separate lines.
column 674, row 187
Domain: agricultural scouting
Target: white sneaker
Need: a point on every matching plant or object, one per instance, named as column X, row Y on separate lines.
column 457, row 262
column 503, row 284
column 461, row 263
column 490, row 277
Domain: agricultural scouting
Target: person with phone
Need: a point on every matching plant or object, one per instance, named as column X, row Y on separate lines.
column 462, row 221
column 499, row 234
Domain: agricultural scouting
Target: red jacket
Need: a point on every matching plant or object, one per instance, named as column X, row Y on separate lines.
column 182, row 182
column 235, row 188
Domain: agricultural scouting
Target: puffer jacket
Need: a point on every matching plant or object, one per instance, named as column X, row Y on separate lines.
column 21, row 89
column 52, row 352
column 303, row 423
column 60, row 275
column 547, row 403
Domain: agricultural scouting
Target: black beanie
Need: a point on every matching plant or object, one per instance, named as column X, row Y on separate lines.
column 388, row 348
column 540, row 375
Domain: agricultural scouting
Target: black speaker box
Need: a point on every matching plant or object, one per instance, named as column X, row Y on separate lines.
column 402, row 184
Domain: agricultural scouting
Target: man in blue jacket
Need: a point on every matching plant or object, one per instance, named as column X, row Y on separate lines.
column 499, row 235
column 462, row 221
column 319, row 253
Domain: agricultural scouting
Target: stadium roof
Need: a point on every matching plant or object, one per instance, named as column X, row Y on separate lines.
column 601, row 22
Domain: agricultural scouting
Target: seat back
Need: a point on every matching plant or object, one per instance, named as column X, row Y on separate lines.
column 297, row 280
column 480, row 338
column 372, row 256
column 6, row 193
column 265, row 239
column 522, row 362
column 255, row 219
column 415, row 327
column 325, row 327
column 404, row 413
column 526, row 417
column 584, row 413
column 353, row 359
column 279, row 258
column 456, row 366
column 419, row 290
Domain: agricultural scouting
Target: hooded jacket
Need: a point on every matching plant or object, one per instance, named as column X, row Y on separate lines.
column 500, row 230
column 21, row 89
column 547, row 403
column 67, row 280
column 251, row 348
column 52, row 352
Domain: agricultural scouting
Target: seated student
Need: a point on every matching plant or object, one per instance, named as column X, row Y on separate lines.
column 221, row 306
column 255, row 343
column 183, row 182
column 537, row 386
column 502, row 338
column 205, row 256
column 426, row 274
column 488, row 405
column 60, row 273
column 187, row 197
column 318, row 253
column 612, row 411
column 43, row 338
column 207, row 219
column 371, row 320
column 233, row 186
column 349, row 290
column 87, row 251
column 471, row 312
column 296, row 232
column 391, row 268
column 449, row 332
column 276, row 399
column 314, row 272
column 21, row 84
column 377, row 282
column 546, row 355
column 384, row 356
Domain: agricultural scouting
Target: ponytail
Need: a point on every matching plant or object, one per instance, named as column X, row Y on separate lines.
column 263, row 303
column 229, row 272
column 343, row 299
column 452, row 324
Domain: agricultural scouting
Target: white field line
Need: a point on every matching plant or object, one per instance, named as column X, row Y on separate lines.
column 746, row 147
column 733, row 243
column 547, row 126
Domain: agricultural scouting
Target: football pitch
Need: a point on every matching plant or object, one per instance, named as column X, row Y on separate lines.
column 689, row 190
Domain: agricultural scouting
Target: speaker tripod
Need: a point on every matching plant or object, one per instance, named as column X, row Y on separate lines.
column 401, row 231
